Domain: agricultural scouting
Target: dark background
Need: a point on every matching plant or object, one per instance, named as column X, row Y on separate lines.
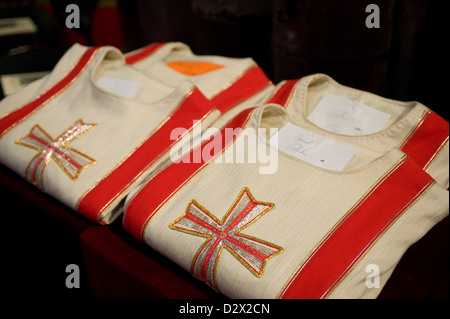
column 405, row 59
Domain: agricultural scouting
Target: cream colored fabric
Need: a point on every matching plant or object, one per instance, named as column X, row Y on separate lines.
column 404, row 116
column 210, row 83
column 118, row 125
column 308, row 202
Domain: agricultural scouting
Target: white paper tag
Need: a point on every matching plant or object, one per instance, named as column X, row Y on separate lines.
column 312, row 148
column 343, row 116
column 125, row 88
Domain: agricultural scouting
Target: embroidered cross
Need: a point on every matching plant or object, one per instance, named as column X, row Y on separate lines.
column 251, row 252
column 70, row 160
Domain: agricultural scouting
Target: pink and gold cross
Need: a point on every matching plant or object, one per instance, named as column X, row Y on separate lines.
column 70, row 160
column 251, row 252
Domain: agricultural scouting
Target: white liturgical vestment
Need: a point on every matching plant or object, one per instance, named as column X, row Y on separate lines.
column 232, row 84
column 300, row 231
column 321, row 104
column 94, row 128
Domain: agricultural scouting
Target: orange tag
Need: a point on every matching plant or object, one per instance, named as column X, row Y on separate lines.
column 191, row 68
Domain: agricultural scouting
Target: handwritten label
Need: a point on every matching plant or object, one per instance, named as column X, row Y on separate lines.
column 343, row 116
column 312, row 148
column 125, row 88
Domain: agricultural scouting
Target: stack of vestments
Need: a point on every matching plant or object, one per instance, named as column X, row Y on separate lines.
column 304, row 189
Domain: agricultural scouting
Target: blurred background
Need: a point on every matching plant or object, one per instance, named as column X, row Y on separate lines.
column 403, row 59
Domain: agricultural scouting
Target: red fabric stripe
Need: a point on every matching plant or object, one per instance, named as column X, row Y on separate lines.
column 426, row 139
column 281, row 96
column 250, row 83
column 49, row 148
column 207, row 259
column 202, row 223
column 359, row 229
column 255, row 253
column 36, row 167
column 234, row 222
column 164, row 184
column 143, row 53
column 93, row 203
column 247, row 209
column 39, row 140
column 17, row 116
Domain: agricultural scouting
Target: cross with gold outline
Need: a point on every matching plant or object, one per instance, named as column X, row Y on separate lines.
column 251, row 252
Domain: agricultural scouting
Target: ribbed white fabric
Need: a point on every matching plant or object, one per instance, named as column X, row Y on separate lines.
column 301, row 217
column 212, row 83
column 405, row 118
column 107, row 130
